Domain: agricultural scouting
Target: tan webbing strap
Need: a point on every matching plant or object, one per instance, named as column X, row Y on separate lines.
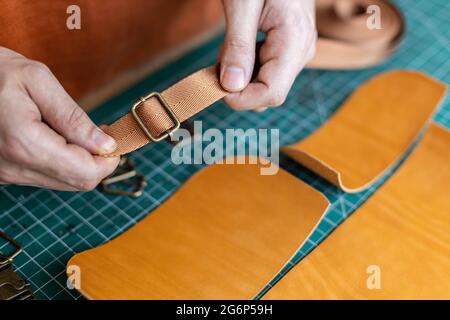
column 345, row 42
column 185, row 98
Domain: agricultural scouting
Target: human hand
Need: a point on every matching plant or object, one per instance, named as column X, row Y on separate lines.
column 290, row 43
column 46, row 139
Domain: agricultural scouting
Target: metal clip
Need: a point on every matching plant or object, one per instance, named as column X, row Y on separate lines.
column 7, row 292
column 17, row 246
column 9, row 277
column 12, row 286
column 168, row 110
column 124, row 174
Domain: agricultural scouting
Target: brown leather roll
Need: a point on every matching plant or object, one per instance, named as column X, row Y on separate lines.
column 345, row 39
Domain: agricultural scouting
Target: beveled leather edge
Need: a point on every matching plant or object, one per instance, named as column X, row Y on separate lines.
column 331, row 174
column 202, row 170
column 433, row 126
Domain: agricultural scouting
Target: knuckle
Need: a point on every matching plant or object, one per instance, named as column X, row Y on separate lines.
column 5, row 84
column 5, row 176
column 40, row 67
column 9, row 78
column 13, row 149
column 16, row 154
column 277, row 98
column 237, row 43
column 75, row 118
column 232, row 103
column 35, row 69
column 89, row 177
column 88, row 185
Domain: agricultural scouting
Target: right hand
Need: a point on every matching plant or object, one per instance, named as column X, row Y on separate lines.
column 46, row 139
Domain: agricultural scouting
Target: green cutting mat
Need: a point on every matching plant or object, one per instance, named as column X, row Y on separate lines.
column 53, row 226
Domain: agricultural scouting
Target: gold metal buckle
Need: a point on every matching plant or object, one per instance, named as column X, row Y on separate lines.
column 124, row 174
column 169, row 111
column 140, row 184
column 17, row 246
column 12, row 286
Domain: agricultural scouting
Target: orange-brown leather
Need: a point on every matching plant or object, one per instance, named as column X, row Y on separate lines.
column 345, row 40
column 367, row 135
column 115, row 35
column 372, row 129
column 404, row 230
column 224, row 242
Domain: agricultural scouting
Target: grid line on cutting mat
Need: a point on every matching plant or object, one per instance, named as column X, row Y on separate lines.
column 53, row 226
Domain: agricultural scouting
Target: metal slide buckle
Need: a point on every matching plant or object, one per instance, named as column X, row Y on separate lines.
column 124, row 174
column 169, row 111
column 12, row 286
column 17, row 246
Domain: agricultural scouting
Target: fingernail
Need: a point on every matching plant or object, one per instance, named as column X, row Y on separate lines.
column 233, row 78
column 104, row 142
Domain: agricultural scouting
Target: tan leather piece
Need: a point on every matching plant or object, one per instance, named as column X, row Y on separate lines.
column 372, row 130
column 404, row 229
column 207, row 242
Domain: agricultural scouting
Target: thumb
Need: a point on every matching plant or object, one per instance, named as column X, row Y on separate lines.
column 64, row 115
column 238, row 52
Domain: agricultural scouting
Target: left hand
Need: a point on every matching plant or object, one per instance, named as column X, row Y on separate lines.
column 290, row 43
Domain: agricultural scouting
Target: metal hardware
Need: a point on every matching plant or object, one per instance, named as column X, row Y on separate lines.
column 17, row 246
column 140, row 186
column 169, row 111
column 9, row 293
column 189, row 126
column 12, row 286
column 9, row 277
column 124, row 174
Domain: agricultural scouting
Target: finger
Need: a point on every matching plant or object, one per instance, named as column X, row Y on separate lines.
column 63, row 114
column 5, row 52
column 49, row 153
column 26, row 177
column 282, row 57
column 41, row 149
column 238, row 53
